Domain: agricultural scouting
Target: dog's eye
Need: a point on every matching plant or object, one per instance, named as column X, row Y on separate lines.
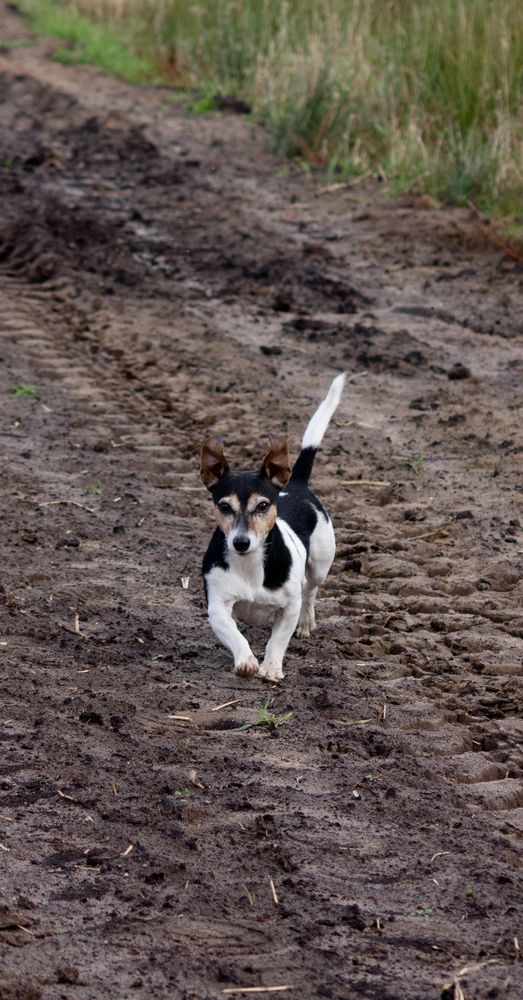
column 262, row 507
column 226, row 509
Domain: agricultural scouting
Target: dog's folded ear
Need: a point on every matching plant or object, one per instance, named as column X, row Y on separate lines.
column 276, row 464
column 213, row 463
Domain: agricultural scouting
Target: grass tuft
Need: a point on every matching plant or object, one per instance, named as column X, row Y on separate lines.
column 88, row 40
column 24, row 391
column 424, row 96
column 266, row 718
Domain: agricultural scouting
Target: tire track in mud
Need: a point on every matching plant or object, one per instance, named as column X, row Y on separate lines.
column 407, row 699
column 108, row 426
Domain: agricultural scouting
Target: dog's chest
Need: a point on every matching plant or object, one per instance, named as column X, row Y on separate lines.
column 249, row 588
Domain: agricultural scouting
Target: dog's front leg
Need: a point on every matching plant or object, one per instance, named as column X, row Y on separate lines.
column 227, row 631
column 284, row 624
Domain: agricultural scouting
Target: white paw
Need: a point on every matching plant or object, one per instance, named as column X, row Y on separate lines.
column 271, row 671
column 248, row 667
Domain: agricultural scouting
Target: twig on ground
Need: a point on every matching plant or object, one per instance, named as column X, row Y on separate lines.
column 193, row 778
column 274, row 894
column 256, row 989
column 351, row 722
column 249, row 895
column 428, row 534
column 73, row 631
column 365, row 482
column 226, row 704
column 72, row 503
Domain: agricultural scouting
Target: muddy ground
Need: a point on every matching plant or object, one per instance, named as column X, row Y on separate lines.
column 162, row 276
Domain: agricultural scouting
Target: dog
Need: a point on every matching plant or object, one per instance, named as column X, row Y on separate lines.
column 273, row 547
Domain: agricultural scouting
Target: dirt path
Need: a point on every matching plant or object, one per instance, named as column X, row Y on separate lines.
column 161, row 275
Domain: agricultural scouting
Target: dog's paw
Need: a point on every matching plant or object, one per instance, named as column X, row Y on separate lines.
column 271, row 672
column 303, row 631
column 305, row 627
column 248, row 667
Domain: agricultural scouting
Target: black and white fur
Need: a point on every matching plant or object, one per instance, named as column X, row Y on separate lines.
column 273, row 548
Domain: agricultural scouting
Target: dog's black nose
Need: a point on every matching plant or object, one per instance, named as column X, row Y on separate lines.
column 241, row 544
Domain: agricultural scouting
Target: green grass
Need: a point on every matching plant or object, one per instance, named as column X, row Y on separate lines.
column 88, row 41
column 266, row 718
column 8, row 44
column 24, row 391
column 416, row 464
column 425, row 96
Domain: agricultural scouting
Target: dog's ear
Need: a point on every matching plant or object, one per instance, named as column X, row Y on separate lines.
column 276, row 464
column 213, row 463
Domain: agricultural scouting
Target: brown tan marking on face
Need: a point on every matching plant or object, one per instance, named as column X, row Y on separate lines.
column 226, row 520
column 260, row 523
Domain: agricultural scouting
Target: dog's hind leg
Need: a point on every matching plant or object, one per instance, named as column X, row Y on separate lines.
column 321, row 554
column 307, row 620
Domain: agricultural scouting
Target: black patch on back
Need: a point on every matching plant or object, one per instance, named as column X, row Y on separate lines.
column 276, row 560
column 214, row 556
column 300, row 508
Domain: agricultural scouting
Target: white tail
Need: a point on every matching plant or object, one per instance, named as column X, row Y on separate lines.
column 320, row 421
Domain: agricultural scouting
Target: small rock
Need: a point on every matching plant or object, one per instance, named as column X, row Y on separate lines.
column 268, row 349
column 458, row 371
column 68, row 542
column 67, row 974
column 352, row 916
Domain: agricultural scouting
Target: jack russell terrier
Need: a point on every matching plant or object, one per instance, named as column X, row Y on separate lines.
column 273, row 547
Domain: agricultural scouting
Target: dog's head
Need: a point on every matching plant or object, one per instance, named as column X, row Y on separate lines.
column 245, row 503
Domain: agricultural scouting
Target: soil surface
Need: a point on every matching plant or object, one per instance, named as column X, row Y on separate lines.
column 163, row 276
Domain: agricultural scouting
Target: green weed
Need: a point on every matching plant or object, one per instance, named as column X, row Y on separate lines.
column 95, row 489
column 422, row 911
column 7, row 44
column 416, row 464
column 203, row 105
column 88, row 41
column 24, row 391
column 266, row 718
